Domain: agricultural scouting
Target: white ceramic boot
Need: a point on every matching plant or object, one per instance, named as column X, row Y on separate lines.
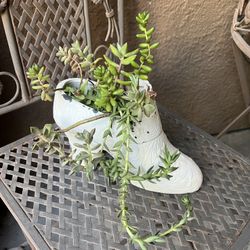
column 150, row 143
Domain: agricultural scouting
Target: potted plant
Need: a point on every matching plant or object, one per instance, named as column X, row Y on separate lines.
column 110, row 117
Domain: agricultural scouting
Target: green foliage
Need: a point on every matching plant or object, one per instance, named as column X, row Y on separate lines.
column 90, row 155
column 138, row 101
column 155, row 174
column 115, row 89
column 107, row 91
column 143, row 242
column 125, row 177
column 111, row 84
column 118, row 169
column 113, row 76
column 49, row 139
column 79, row 59
column 82, row 94
column 86, row 160
column 40, row 82
column 145, row 46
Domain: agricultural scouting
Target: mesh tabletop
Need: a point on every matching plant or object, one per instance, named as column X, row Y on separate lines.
column 61, row 211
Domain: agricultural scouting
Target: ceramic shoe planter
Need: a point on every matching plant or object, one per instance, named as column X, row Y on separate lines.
column 148, row 134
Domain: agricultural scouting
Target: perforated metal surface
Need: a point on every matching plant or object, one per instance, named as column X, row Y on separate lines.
column 71, row 213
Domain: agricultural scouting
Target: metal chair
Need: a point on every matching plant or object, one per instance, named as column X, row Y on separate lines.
column 34, row 31
column 241, row 51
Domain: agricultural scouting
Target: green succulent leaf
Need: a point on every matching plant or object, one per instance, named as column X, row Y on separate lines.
column 146, row 68
column 124, row 49
column 122, row 82
column 110, row 62
column 154, row 46
column 128, row 60
column 132, row 53
column 115, row 51
column 143, row 77
column 149, row 109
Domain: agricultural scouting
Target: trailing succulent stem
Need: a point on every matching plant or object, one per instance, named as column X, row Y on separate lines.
column 145, row 47
column 91, row 157
column 151, row 175
column 164, row 171
column 110, row 84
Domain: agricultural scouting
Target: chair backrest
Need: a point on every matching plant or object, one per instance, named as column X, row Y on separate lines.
column 35, row 29
column 241, row 47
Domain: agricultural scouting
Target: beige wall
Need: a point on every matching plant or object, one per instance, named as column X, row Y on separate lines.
column 195, row 73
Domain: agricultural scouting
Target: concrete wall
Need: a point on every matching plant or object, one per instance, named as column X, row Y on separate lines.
column 195, row 73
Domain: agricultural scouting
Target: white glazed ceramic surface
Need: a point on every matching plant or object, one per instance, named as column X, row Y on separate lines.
column 150, row 143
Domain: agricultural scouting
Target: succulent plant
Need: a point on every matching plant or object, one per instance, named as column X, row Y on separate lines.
column 116, row 92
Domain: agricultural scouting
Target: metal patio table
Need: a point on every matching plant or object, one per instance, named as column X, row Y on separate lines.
column 60, row 211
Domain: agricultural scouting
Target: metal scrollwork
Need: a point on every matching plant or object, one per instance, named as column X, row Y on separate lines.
column 16, row 92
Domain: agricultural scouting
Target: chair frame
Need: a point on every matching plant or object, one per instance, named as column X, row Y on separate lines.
column 23, row 94
column 240, row 50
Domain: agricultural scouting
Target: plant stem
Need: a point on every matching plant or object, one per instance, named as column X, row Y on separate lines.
column 186, row 216
column 106, row 137
column 58, row 89
column 119, row 71
column 80, row 69
column 125, row 181
column 79, row 123
column 145, row 59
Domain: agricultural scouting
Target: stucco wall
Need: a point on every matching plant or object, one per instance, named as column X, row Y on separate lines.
column 195, row 73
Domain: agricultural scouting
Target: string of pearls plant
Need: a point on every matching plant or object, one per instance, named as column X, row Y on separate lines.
column 115, row 91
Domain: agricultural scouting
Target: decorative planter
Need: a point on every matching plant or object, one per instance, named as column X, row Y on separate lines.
column 150, row 141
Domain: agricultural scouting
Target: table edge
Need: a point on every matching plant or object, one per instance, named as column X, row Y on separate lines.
column 29, row 230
